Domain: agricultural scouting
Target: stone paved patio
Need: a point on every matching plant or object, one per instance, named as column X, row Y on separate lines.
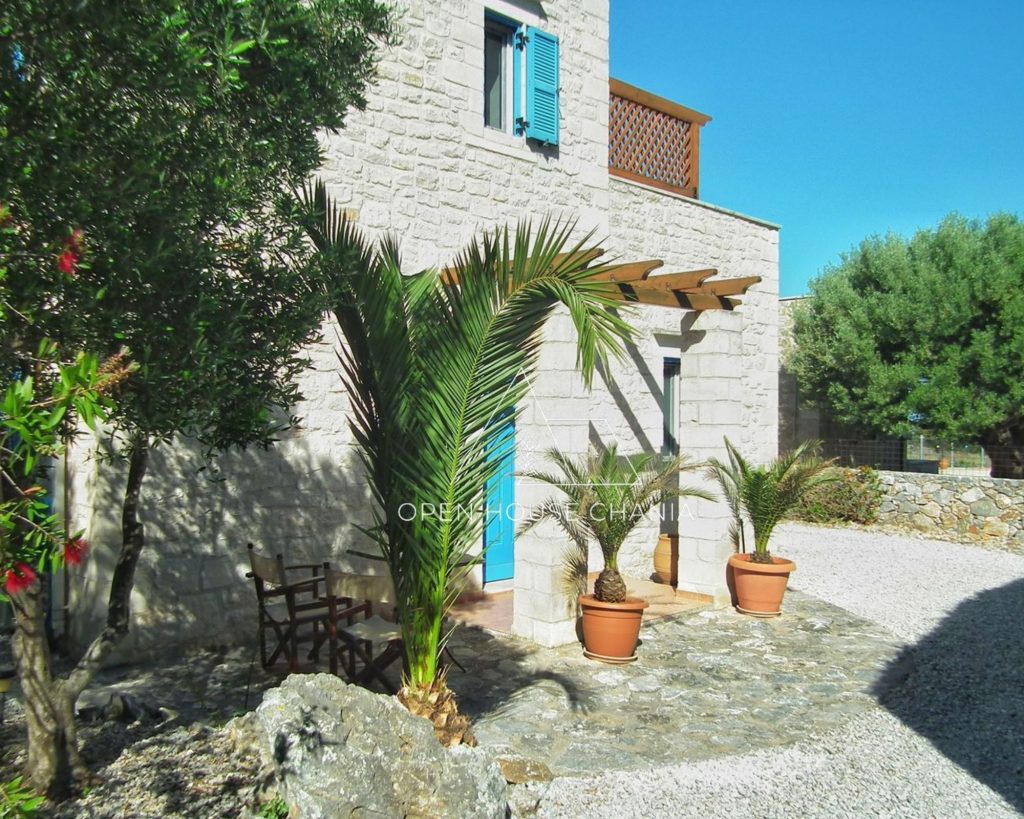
column 708, row 683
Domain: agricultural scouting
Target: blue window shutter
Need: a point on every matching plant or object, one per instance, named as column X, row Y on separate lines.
column 541, row 86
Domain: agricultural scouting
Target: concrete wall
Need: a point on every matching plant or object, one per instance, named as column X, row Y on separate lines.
column 419, row 163
column 940, row 504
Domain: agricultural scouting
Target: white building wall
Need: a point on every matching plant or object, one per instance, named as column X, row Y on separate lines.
column 728, row 360
column 419, row 163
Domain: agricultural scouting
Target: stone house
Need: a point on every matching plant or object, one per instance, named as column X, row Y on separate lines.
column 485, row 112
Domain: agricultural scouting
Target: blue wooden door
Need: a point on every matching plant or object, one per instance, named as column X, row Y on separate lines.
column 500, row 528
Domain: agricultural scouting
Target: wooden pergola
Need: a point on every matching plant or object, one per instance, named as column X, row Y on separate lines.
column 688, row 290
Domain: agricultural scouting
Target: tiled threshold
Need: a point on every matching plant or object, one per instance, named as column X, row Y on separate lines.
column 492, row 609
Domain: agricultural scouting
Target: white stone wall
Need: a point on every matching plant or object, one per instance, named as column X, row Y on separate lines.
column 302, row 498
column 729, row 360
column 420, row 164
column 728, row 387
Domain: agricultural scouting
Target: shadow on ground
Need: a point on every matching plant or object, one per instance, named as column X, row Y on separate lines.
column 962, row 688
column 708, row 683
column 498, row 670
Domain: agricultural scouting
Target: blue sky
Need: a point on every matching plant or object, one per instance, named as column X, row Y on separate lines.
column 840, row 120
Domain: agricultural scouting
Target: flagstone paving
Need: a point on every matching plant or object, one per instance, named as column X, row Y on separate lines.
column 707, row 684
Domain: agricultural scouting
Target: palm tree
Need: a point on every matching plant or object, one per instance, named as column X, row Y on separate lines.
column 763, row 495
column 430, row 362
column 607, row 496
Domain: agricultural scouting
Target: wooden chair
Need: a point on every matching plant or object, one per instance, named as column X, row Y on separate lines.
column 373, row 640
column 293, row 610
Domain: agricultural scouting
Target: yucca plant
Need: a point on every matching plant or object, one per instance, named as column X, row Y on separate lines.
column 763, row 495
column 431, row 361
column 605, row 496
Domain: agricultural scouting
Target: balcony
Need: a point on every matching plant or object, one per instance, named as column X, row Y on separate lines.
column 653, row 140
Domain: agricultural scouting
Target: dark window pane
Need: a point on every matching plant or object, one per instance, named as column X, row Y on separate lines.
column 494, row 97
column 670, row 407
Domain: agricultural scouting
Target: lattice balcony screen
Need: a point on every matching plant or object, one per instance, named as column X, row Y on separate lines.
column 652, row 145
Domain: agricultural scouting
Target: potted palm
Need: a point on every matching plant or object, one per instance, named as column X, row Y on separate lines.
column 605, row 496
column 762, row 496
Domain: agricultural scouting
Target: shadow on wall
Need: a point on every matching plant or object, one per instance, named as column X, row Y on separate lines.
column 962, row 688
column 190, row 586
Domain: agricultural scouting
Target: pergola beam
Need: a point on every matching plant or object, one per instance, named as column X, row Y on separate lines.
column 679, row 281
column 687, row 290
column 634, row 271
column 640, row 294
column 726, row 287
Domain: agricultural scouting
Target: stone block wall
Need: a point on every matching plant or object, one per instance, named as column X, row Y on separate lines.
column 420, row 164
column 303, row 498
column 728, row 360
column 419, row 161
column 941, row 504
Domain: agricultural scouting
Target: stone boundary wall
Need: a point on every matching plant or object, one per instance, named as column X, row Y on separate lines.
column 989, row 507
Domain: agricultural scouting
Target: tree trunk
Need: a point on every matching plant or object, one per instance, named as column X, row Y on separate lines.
column 119, row 602
column 53, row 760
column 1005, row 448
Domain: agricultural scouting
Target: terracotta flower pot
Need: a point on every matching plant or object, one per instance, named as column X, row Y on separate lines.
column 611, row 630
column 666, row 560
column 760, row 586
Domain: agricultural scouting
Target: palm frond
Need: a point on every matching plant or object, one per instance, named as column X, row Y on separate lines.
column 609, row 495
column 765, row 494
column 434, row 372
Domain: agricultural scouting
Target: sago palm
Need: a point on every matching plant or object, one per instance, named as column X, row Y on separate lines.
column 605, row 496
column 431, row 362
column 764, row 495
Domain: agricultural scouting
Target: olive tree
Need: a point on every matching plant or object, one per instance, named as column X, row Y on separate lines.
column 924, row 335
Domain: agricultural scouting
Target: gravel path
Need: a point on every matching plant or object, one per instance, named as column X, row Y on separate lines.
column 905, row 583
column 947, row 738
column 873, row 767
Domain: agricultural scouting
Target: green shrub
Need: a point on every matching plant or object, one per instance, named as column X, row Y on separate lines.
column 276, row 808
column 17, row 801
column 854, row 496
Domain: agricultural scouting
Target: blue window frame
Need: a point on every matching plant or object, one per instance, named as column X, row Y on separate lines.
column 521, row 79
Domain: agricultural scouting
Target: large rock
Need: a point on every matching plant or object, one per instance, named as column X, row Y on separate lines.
column 342, row 751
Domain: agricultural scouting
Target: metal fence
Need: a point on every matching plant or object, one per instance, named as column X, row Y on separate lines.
column 918, row 454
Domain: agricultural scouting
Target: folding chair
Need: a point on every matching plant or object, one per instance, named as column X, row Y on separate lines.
column 286, row 608
column 374, row 641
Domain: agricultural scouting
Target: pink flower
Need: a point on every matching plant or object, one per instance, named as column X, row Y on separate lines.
column 66, row 262
column 19, row 577
column 74, row 551
column 72, row 253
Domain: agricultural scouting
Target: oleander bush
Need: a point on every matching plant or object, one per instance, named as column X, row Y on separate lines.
column 854, row 497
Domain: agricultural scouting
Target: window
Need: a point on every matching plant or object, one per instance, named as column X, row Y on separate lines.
column 498, row 76
column 670, row 407
column 521, row 67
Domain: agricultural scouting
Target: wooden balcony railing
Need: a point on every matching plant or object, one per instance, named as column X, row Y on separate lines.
column 653, row 140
